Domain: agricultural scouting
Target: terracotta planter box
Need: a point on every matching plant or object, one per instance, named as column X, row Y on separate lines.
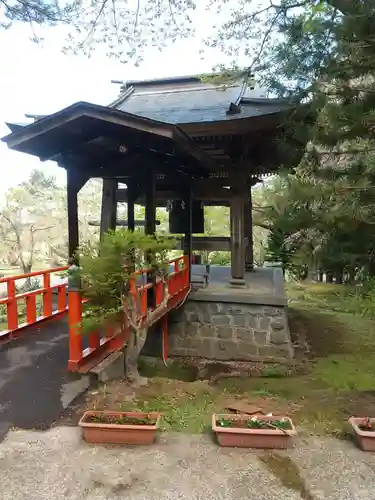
column 252, row 438
column 365, row 439
column 112, row 433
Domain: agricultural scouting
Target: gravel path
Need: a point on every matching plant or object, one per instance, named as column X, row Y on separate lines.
column 57, row 465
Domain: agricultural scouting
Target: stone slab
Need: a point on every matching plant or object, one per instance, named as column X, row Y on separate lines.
column 74, row 387
column 111, row 368
column 242, row 407
column 264, row 286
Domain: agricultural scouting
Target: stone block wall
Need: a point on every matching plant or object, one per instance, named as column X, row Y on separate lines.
column 228, row 331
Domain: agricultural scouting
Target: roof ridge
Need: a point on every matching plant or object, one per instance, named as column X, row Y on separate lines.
column 194, row 89
column 166, row 80
column 122, row 97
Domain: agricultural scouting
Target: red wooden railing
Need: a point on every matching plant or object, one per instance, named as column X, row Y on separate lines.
column 113, row 338
column 100, row 344
column 15, row 321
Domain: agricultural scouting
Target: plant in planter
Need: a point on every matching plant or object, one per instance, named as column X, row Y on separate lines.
column 119, row 427
column 107, row 280
column 253, row 432
column 364, row 429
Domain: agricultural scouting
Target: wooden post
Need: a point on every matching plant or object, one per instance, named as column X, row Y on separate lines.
column 248, row 222
column 73, row 188
column 75, row 336
column 150, row 225
column 109, row 206
column 188, row 238
column 130, row 203
column 237, row 240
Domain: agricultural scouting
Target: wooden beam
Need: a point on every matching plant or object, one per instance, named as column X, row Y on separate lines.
column 210, row 189
column 129, row 166
column 206, row 243
column 122, row 223
column 190, row 148
column 117, row 165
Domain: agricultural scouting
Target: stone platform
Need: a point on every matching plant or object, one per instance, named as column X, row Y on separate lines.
column 225, row 323
column 264, row 286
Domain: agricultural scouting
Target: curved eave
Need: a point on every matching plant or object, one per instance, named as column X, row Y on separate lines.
column 55, row 135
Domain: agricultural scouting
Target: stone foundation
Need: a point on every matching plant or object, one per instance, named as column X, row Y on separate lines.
column 229, row 331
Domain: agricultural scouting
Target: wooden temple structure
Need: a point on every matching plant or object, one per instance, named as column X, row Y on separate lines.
column 175, row 142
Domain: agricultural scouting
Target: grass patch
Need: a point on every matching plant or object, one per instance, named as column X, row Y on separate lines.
column 341, row 378
column 188, row 411
column 336, row 298
column 152, row 367
column 338, row 384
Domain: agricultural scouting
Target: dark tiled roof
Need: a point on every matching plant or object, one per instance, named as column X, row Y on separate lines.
column 188, row 100
column 13, row 127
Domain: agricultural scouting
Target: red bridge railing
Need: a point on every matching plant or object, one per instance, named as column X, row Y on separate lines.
column 24, row 309
column 113, row 338
column 28, row 308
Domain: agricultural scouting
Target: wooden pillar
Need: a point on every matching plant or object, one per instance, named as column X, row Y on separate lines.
column 150, row 227
column 109, row 206
column 248, row 231
column 150, row 222
column 237, row 240
column 75, row 181
column 131, row 203
column 188, row 237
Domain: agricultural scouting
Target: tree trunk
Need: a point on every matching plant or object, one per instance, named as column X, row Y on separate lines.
column 26, row 268
column 371, row 267
column 205, row 254
column 320, row 276
column 351, row 276
column 339, row 276
column 139, row 329
column 132, row 350
column 329, row 277
column 311, row 274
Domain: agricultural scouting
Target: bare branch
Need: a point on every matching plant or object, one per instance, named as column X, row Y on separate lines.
column 95, row 22
column 136, row 16
column 45, row 228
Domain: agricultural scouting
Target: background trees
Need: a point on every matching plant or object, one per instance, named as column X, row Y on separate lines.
column 33, row 222
column 27, row 219
column 319, row 53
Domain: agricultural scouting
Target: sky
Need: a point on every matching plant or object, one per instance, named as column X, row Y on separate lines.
column 42, row 80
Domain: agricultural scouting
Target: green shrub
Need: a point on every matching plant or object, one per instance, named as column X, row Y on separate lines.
column 107, row 266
